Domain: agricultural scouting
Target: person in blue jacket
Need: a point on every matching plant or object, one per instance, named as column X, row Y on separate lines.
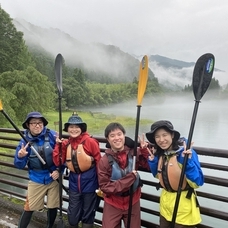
column 41, row 177
column 165, row 161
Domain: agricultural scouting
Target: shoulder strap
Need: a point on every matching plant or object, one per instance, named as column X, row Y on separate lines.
column 46, row 139
column 110, row 159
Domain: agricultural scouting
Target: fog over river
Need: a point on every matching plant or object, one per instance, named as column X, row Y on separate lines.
column 211, row 122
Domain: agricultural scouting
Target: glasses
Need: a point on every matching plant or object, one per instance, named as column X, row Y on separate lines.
column 34, row 124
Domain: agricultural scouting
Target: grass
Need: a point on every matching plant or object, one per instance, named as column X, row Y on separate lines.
column 96, row 121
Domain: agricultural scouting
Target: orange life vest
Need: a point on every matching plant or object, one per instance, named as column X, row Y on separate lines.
column 77, row 160
column 169, row 173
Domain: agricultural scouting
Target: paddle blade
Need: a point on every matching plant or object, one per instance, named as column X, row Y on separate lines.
column 202, row 75
column 58, row 72
column 1, row 108
column 143, row 77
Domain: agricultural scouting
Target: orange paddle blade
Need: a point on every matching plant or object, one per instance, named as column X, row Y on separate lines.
column 1, row 108
column 143, row 77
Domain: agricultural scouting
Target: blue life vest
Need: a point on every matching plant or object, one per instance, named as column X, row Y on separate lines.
column 118, row 173
column 45, row 151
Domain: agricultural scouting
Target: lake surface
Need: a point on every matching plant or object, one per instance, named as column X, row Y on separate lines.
column 210, row 126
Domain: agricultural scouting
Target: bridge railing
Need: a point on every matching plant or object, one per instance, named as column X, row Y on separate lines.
column 212, row 196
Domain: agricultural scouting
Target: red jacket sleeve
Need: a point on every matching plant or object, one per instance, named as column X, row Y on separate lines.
column 55, row 154
column 142, row 157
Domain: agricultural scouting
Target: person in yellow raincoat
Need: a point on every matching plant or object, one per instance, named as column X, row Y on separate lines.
column 165, row 161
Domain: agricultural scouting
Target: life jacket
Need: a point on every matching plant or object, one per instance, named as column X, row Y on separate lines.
column 77, row 160
column 45, row 151
column 169, row 172
column 118, row 173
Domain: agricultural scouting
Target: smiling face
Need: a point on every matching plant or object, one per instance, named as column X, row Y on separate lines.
column 116, row 139
column 35, row 126
column 74, row 130
column 164, row 138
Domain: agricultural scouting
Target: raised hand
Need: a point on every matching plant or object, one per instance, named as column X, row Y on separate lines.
column 22, row 152
column 58, row 140
column 189, row 151
column 143, row 143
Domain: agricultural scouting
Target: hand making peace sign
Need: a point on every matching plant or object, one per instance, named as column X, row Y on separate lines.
column 22, row 152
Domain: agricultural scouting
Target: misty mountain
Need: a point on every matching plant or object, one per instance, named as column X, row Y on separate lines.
column 101, row 61
column 94, row 58
column 175, row 74
column 167, row 62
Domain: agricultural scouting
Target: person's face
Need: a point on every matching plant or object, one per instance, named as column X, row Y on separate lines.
column 35, row 125
column 74, row 130
column 163, row 138
column 116, row 139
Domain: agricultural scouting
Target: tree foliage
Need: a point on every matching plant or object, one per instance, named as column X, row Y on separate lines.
column 14, row 54
column 27, row 91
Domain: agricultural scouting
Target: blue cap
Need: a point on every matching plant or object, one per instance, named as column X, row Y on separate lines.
column 34, row 115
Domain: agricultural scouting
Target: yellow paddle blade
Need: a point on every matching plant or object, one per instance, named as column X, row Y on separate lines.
column 1, row 108
column 143, row 77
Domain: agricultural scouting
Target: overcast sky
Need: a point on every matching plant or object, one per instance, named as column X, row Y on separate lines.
column 178, row 29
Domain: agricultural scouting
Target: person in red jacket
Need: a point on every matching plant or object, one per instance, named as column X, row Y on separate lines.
column 116, row 176
column 81, row 153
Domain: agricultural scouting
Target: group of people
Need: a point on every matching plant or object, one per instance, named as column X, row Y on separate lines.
column 114, row 173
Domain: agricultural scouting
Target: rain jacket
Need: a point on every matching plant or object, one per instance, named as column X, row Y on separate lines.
column 112, row 189
column 85, row 182
column 188, row 210
column 39, row 175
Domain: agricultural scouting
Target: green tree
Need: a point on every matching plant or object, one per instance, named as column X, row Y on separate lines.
column 29, row 91
column 14, row 54
column 44, row 62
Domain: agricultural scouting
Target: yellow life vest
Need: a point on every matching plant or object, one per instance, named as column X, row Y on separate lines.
column 77, row 160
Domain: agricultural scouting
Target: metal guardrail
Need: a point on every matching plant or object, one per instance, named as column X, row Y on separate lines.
column 9, row 139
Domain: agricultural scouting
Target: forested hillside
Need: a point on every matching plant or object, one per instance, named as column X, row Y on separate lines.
column 28, row 81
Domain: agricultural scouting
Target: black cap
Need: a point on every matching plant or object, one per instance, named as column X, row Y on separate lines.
column 160, row 124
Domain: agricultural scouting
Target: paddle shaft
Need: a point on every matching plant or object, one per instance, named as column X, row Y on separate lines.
column 60, row 159
column 202, row 75
column 184, row 163
column 134, row 163
column 143, row 77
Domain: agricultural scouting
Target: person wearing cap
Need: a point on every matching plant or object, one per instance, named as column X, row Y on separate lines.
column 116, row 176
column 81, row 154
column 41, row 177
column 166, row 160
